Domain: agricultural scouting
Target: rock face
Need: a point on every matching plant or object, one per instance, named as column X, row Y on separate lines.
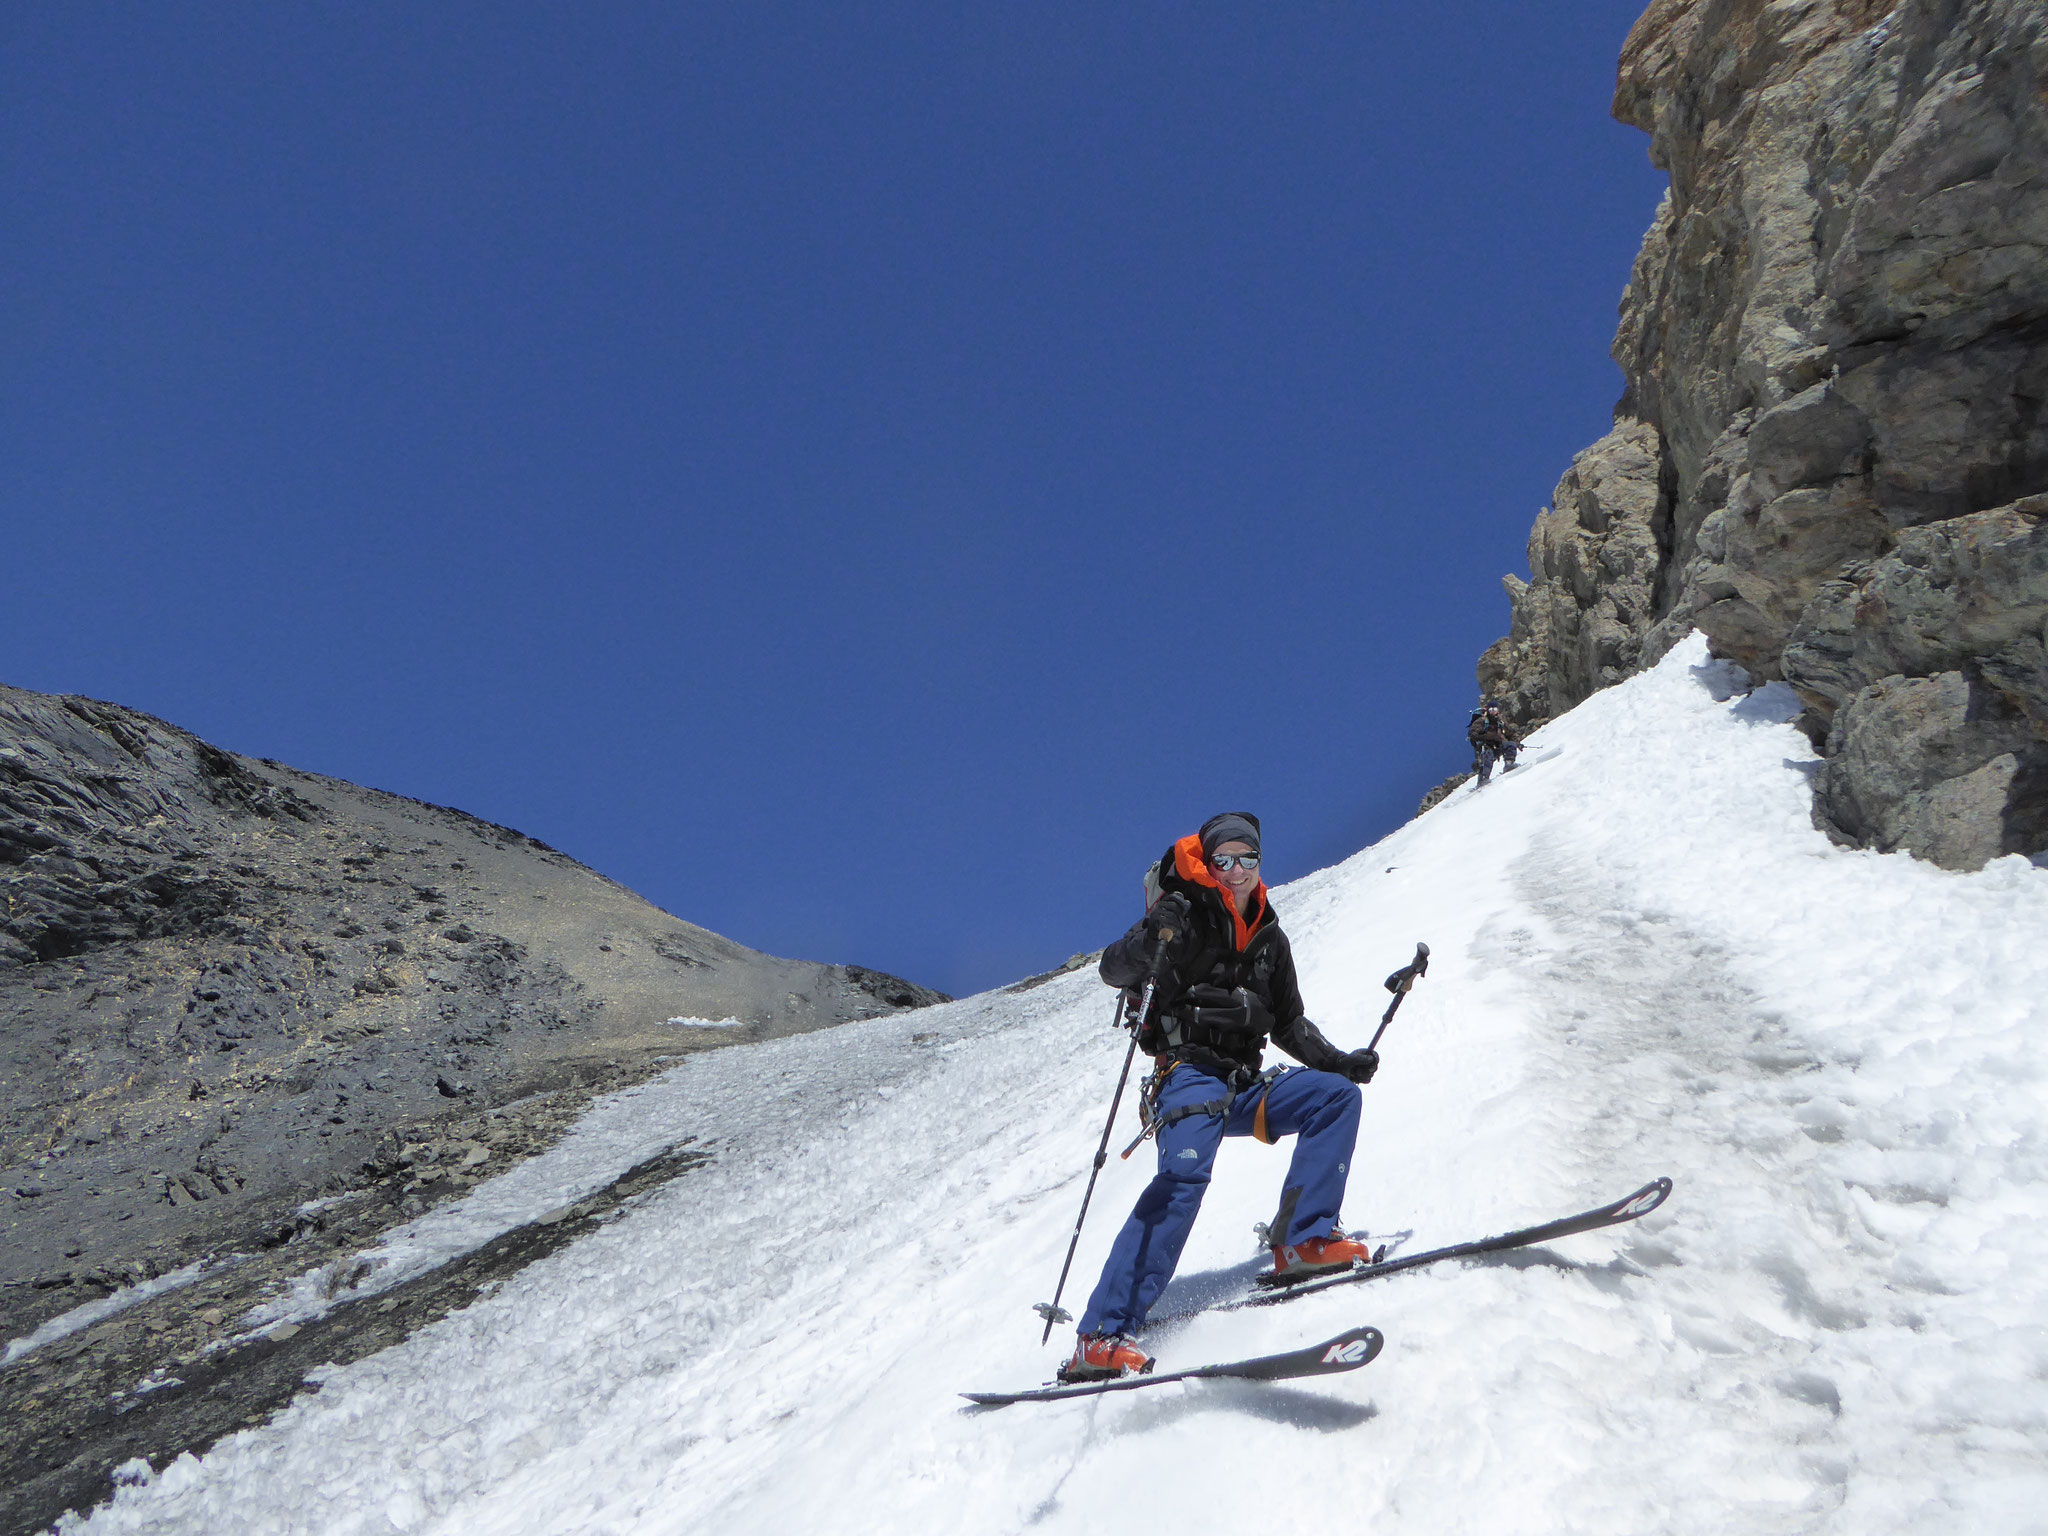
column 1832, row 449
column 228, row 987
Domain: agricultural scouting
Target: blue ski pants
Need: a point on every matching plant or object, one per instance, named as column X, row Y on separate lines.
column 1318, row 1109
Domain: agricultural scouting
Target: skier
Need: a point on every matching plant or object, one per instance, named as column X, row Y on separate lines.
column 1492, row 738
column 1226, row 982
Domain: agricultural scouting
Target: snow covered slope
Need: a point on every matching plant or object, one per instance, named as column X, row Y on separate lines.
column 1646, row 961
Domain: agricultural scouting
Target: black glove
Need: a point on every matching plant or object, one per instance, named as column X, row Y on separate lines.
column 1169, row 911
column 1359, row 1066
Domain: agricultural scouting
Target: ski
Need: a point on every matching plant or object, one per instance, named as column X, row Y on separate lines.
column 1346, row 1352
column 1613, row 1214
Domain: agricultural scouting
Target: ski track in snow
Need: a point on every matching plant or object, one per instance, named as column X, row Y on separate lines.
column 1645, row 961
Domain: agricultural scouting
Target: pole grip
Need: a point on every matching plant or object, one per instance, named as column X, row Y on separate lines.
column 1401, row 982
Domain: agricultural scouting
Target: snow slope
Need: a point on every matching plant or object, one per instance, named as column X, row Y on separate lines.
column 1645, row 961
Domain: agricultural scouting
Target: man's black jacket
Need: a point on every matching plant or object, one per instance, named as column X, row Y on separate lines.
column 1488, row 733
column 1220, row 953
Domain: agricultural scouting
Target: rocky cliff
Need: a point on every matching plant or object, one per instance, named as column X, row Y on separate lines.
column 1831, row 454
column 228, row 988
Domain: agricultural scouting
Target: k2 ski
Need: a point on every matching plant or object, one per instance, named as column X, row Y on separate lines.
column 1346, row 1352
column 1641, row 1203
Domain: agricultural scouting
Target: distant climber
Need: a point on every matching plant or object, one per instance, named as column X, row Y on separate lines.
column 1492, row 738
column 1225, row 983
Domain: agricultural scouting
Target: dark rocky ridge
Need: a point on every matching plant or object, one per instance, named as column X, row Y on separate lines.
column 228, row 987
column 1832, row 450
column 177, row 1374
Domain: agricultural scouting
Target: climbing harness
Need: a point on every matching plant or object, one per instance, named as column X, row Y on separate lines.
column 1151, row 1121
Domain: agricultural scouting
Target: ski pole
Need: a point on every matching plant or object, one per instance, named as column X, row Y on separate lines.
column 1398, row 984
column 1051, row 1311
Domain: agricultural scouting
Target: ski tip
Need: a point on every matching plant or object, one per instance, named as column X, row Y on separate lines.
column 1644, row 1200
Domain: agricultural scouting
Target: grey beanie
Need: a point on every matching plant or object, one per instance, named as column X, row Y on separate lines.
column 1230, row 827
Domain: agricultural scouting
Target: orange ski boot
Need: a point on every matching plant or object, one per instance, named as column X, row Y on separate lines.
column 1099, row 1356
column 1314, row 1256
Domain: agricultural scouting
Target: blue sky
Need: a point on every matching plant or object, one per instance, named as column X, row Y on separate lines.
column 866, row 478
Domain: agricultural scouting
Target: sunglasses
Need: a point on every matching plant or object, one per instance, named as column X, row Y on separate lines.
column 1234, row 860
